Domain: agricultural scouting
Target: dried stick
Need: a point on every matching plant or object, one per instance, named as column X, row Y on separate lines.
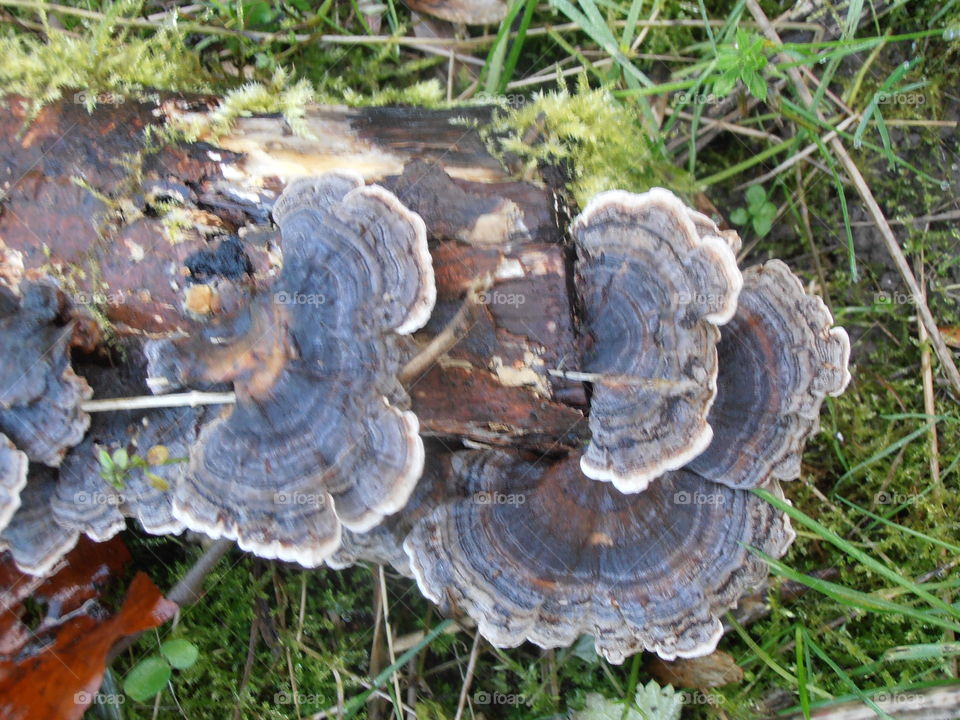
column 454, row 332
column 150, row 402
column 468, row 680
column 939, row 703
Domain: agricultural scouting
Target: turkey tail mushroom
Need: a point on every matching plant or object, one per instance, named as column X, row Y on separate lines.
column 159, row 440
column 316, row 440
column 13, row 476
column 654, row 283
column 33, row 537
column 780, row 356
column 540, row 552
column 40, row 395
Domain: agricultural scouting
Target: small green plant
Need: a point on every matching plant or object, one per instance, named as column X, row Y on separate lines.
column 115, row 468
column 149, row 676
column 745, row 60
column 759, row 212
column 651, row 702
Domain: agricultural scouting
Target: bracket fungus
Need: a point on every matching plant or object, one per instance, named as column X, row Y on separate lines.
column 156, row 441
column 654, row 284
column 317, row 436
column 40, row 395
column 540, row 552
column 13, row 476
column 34, row 539
column 779, row 357
column 86, row 501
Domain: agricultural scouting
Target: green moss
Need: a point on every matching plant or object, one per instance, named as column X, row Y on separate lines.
column 280, row 95
column 291, row 99
column 334, row 638
column 103, row 62
column 427, row 94
column 600, row 141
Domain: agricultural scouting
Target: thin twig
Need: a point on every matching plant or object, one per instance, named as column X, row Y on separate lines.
column 385, row 607
column 248, row 664
column 938, row 703
column 405, row 642
column 922, row 220
column 929, row 403
column 468, row 678
column 797, row 157
column 808, row 231
column 652, row 383
column 150, row 402
column 454, row 332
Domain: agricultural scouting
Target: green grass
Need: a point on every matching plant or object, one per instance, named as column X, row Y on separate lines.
column 866, row 505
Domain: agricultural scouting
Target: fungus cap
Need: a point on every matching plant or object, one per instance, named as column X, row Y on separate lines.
column 779, row 357
column 40, row 395
column 33, row 537
column 316, row 440
column 541, row 552
column 654, row 283
column 13, row 476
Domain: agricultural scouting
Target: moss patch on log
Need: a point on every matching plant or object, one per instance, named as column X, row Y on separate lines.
column 602, row 143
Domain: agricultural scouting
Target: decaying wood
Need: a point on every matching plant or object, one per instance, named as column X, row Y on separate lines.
column 130, row 223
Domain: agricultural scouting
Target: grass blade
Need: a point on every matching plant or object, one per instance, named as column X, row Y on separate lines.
column 358, row 701
column 854, row 552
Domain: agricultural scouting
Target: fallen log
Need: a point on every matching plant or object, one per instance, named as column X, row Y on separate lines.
column 134, row 222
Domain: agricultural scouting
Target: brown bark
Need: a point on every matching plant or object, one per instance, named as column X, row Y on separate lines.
column 121, row 219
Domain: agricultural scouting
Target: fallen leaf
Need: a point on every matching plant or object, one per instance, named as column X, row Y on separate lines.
column 55, row 669
column 951, row 336
column 83, row 570
column 713, row 670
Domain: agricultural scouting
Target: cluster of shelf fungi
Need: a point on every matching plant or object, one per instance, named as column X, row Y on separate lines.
column 641, row 539
column 613, row 498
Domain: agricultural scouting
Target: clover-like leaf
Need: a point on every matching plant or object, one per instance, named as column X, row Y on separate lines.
column 724, row 84
column 756, row 196
column 756, row 84
column 180, row 653
column 147, row 678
